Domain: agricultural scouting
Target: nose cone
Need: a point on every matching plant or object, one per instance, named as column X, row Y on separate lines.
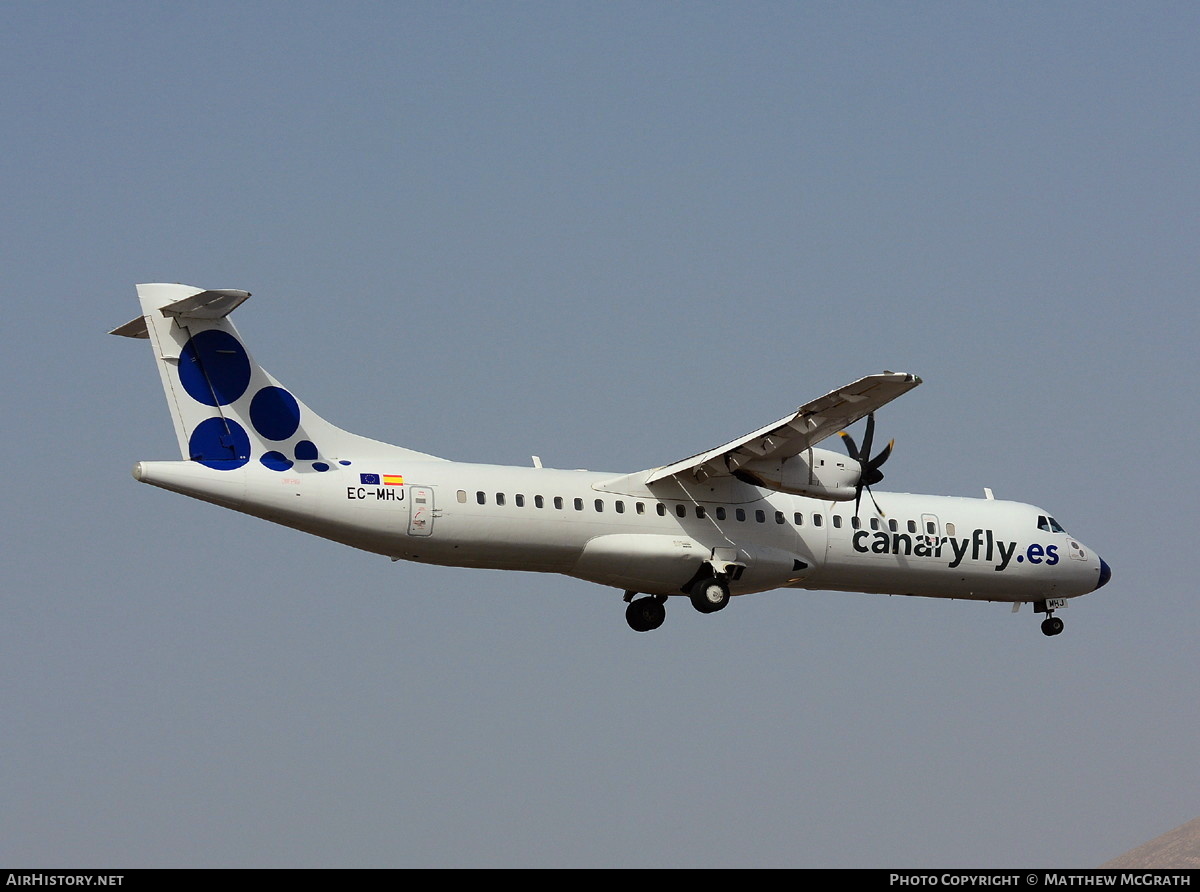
column 1105, row 574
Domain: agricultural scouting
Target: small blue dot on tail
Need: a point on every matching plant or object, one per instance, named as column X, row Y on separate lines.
column 276, row 461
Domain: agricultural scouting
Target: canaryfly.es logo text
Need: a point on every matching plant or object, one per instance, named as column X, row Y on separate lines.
column 981, row 546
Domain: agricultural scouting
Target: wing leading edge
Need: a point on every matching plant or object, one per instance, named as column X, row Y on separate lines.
column 795, row 433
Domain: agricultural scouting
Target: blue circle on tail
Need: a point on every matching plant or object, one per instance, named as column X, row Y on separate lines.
column 219, row 443
column 275, row 413
column 214, row 367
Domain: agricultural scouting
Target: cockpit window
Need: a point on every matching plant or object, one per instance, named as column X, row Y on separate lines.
column 1048, row 524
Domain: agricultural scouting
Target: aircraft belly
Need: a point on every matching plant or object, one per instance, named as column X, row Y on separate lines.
column 466, row 540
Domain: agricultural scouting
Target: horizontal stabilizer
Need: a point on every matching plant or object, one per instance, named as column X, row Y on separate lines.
column 207, row 304
column 215, row 304
column 134, row 328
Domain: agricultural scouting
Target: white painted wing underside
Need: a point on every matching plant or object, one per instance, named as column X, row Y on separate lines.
column 804, row 428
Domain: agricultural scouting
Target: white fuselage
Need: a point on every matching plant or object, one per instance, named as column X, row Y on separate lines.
column 604, row 528
column 767, row 510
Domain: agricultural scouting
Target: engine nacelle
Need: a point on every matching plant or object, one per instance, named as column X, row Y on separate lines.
column 817, row 473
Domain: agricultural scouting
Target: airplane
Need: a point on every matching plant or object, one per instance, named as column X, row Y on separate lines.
column 765, row 511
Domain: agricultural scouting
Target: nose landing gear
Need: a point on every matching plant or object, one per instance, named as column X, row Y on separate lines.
column 1051, row 625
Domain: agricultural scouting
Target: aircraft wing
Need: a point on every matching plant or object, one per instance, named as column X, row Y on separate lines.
column 793, row 434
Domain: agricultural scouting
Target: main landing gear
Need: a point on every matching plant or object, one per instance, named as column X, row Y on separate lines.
column 1051, row 625
column 708, row 595
column 645, row 614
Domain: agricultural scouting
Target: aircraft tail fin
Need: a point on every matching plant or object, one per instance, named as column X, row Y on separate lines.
column 227, row 409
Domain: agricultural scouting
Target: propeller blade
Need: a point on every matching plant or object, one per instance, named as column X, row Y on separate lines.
column 868, row 437
column 851, row 449
column 875, row 503
column 881, row 457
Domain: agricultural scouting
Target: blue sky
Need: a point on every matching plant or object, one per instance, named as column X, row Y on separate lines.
column 611, row 235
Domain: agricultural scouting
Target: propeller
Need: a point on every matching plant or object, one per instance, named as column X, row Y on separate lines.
column 869, row 467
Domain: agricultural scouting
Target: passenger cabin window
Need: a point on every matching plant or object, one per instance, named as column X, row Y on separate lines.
column 539, row 502
column 462, row 497
column 558, row 502
column 661, row 509
column 499, row 498
column 700, row 511
column 639, row 507
column 949, row 529
column 893, row 525
column 720, row 513
column 912, row 526
column 837, row 521
column 599, row 505
column 798, row 518
column 817, row 520
column 760, row 516
column 520, row 500
column 579, row 504
column 681, row 510
column 619, row 506
column 481, row 498
column 740, row 514
column 875, row 523
column 779, row 517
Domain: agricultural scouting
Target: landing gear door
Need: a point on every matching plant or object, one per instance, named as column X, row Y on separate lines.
column 420, row 506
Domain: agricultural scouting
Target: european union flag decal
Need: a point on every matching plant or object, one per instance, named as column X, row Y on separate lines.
column 368, row 479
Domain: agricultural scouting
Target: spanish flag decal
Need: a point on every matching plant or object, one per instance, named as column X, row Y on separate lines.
column 393, row 479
